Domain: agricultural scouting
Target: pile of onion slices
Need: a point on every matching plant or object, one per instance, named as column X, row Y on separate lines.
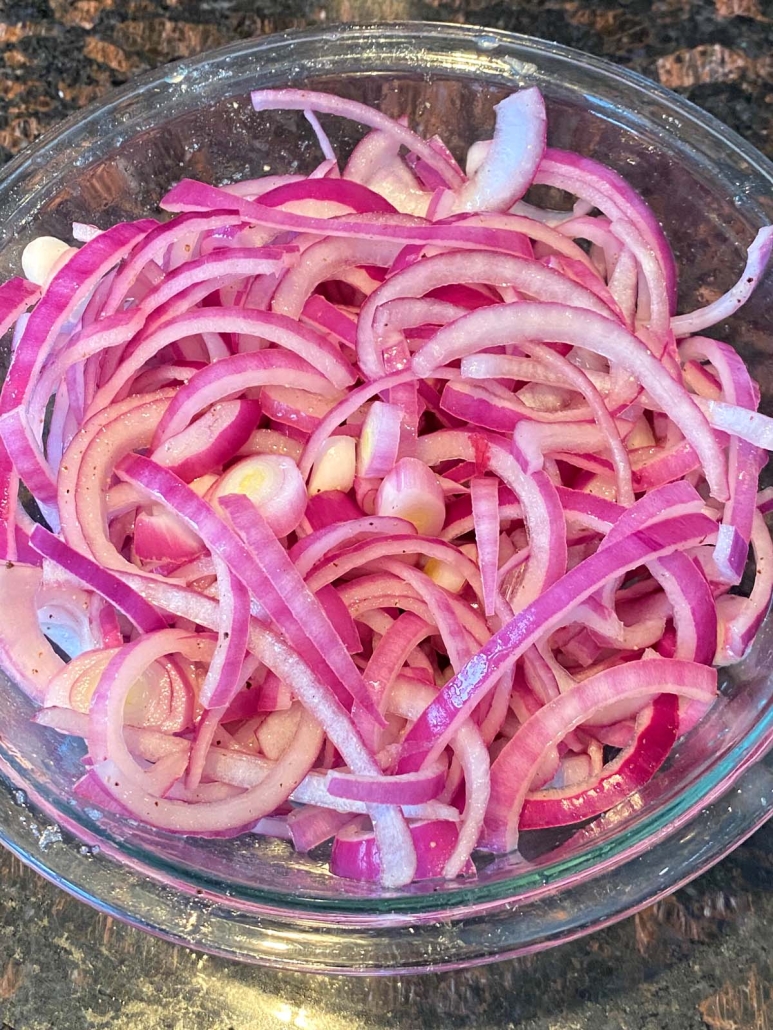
column 377, row 505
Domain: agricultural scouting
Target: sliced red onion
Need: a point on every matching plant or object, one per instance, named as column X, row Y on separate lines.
column 147, row 744
column 106, row 710
column 747, row 425
column 212, row 623
column 29, row 461
column 410, row 700
column 277, row 730
column 692, row 603
column 508, row 168
column 529, row 321
column 313, row 637
column 656, row 730
column 274, row 696
column 308, row 348
column 744, row 459
column 485, row 512
column 579, row 272
column 272, row 483
column 160, row 539
column 304, row 605
column 488, row 267
column 342, row 562
column 147, row 257
column 490, row 366
column 327, row 316
column 69, row 287
column 325, row 260
column 410, row 491
column 64, row 689
column 765, row 501
column 313, row 548
column 344, row 410
column 726, row 305
column 224, row 676
column 513, row 769
column 143, row 615
column 408, row 789
column 387, row 659
column 344, row 192
column 653, row 286
column 379, row 440
column 298, row 409
column 233, row 375
column 311, row 825
column 321, row 135
column 88, row 465
column 326, row 103
column 394, row 841
column 203, row 817
column 443, row 614
column 26, row 654
column 16, row 296
column 210, row 441
column 611, row 194
column 457, row 698
column 356, row 856
column 325, row 509
column 340, row 619
column 173, row 295
column 740, row 617
column 503, row 232
column 541, row 507
column 376, row 161
column 238, row 768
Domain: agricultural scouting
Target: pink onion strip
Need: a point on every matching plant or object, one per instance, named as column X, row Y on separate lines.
column 457, row 698
column 513, row 769
column 538, row 321
column 485, row 513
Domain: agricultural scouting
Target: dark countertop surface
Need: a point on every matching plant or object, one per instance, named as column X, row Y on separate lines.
column 701, row 959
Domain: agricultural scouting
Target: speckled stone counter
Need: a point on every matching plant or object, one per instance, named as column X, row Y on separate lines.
column 701, row 959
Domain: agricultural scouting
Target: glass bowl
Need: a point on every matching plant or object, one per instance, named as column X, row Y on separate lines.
column 254, row 899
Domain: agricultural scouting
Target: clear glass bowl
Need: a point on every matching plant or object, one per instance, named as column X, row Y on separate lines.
column 255, row 899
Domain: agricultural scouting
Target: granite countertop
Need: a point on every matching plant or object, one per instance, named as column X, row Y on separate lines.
column 701, row 959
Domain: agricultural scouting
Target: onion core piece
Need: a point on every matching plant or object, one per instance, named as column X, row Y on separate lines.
column 411, row 491
column 272, row 483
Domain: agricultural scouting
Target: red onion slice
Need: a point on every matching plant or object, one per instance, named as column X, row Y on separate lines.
column 529, row 321
column 408, row 789
column 655, row 733
column 308, row 100
column 305, row 607
column 356, row 856
column 209, row 442
column 726, row 305
column 485, row 513
column 508, row 168
column 512, row 771
column 456, row 699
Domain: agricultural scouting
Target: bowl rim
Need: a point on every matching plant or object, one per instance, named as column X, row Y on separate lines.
column 491, row 39
column 471, row 903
